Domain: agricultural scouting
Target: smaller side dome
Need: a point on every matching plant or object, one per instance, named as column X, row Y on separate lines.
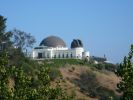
column 76, row 43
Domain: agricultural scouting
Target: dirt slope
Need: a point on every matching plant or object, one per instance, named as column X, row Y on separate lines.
column 88, row 83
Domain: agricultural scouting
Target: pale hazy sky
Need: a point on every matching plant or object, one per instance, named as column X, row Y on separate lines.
column 104, row 26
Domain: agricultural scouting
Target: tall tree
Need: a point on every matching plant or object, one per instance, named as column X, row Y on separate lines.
column 125, row 72
column 2, row 25
column 22, row 40
column 4, row 36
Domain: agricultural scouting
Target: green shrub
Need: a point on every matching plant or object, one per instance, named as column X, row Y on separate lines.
column 110, row 67
column 54, row 73
column 105, row 93
column 100, row 66
column 24, row 86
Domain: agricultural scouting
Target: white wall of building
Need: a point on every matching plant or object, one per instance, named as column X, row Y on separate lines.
column 58, row 53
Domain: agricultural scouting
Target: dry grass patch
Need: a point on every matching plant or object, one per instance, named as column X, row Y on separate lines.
column 89, row 83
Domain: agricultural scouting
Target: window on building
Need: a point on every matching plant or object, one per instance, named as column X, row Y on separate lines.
column 59, row 56
column 62, row 55
column 55, row 56
column 71, row 55
column 67, row 55
column 47, row 55
column 39, row 55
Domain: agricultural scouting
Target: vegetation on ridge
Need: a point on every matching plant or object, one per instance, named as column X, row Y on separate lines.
column 125, row 72
column 15, row 84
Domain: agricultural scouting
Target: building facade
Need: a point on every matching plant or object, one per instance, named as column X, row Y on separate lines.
column 54, row 47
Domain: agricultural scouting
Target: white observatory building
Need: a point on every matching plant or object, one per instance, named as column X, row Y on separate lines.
column 54, row 47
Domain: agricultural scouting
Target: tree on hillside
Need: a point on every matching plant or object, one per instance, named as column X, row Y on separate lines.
column 22, row 40
column 125, row 72
column 2, row 25
column 4, row 36
column 11, row 39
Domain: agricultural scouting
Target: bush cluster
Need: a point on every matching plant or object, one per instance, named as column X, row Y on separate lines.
column 17, row 84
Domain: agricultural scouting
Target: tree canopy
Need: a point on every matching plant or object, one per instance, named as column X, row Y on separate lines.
column 125, row 72
column 15, row 38
column 4, row 36
column 22, row 40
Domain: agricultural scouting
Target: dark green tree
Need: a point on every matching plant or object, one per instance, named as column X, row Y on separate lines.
column 4, row 89
column 2, row 28
column 125, row 72
column 4, row 36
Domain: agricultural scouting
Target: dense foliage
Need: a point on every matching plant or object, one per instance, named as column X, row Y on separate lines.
column 4, row 36
column 125, row 72
column 16, row 84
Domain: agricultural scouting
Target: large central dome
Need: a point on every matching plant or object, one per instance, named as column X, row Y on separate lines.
column 53, row 41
